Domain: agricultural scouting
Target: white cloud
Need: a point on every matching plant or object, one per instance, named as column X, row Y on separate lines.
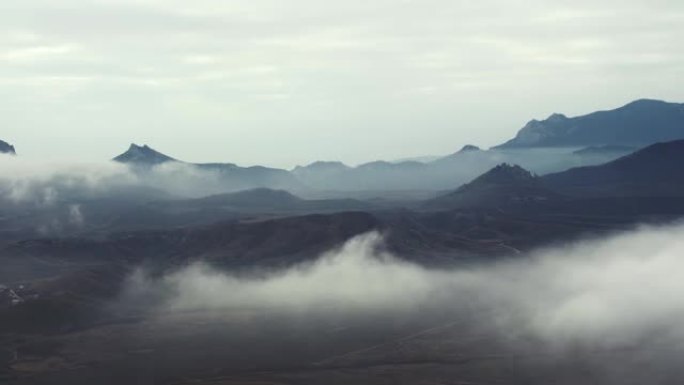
column 618, row 292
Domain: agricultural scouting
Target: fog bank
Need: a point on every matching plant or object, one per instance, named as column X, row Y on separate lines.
column 610, row 293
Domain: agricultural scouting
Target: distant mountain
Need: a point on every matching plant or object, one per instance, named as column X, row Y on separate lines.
column 389, row 166
column 321, row 173
column 636, row 124
column 143, row 155
column 254, row 197
column 469, row 148
column 549, row 146
column 605, row 150
column 322, row 166
column 657, row 170
column 235, row 177
column 6, row 148
column 499, row 187
column 444, row 173
column 264, row 200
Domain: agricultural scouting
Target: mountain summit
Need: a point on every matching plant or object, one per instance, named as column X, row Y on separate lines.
column 501, row 186
column 504, row 175
column 144, row 155
column 234, row 177
column 6, row 148
column 637, row 124
column 468, row 148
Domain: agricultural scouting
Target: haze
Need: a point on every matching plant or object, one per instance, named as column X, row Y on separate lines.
column 352, row 81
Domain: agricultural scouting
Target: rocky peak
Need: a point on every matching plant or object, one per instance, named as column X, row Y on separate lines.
column 6, row 148
column 505, row 174
column 556, row 117
column 143, row 155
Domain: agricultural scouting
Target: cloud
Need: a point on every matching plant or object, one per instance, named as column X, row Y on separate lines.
column 619, row 292
column 42, row 185
column 75, row 215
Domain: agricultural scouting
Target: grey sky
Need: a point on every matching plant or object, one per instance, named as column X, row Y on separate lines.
column 288, row 82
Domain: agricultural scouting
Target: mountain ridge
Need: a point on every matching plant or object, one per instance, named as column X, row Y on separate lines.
column 655, row 169
column 146, row 158
column 638, row 123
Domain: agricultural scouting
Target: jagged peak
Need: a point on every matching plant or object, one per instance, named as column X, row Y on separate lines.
column 143, row 155
column 505, row 173
column 6, row 148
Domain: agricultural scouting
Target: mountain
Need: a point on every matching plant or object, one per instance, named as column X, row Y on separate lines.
column 637, row 124
column 264, row 200
column 549, row 146
column 233, row 176
column 322, row 166
column 444, row 173
column 143, row 155
column 605, row 150
column 657, row 170
column 469, row 148
column 6, row 148
column 499, row 187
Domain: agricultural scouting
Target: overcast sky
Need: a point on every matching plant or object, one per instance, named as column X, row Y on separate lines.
column 282, row 83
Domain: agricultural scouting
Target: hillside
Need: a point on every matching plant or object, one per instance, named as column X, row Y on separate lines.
column 502, row 186
column 653, row 171
column 144, row 159
column 637, row 124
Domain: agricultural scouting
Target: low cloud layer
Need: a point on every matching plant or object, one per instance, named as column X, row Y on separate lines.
column 45, row 184
column 61, row 198
column 624, row 291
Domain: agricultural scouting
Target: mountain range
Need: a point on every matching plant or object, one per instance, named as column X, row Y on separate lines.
column 86, row 274
column 144, row 158
column 549, row 146
column 636, row 124
column 651, row 172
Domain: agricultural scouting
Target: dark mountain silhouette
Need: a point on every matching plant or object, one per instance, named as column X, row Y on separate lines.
column 657, row 170
column 444, row 173
column 6, row 148
column 543, row 147
column 605, row 150
column 469, row 148
column 280, row 240
column 143, row 155
column 264, row 200
column 236, row 177
column 322, row 166
column 501, row 186
column 637, row 124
